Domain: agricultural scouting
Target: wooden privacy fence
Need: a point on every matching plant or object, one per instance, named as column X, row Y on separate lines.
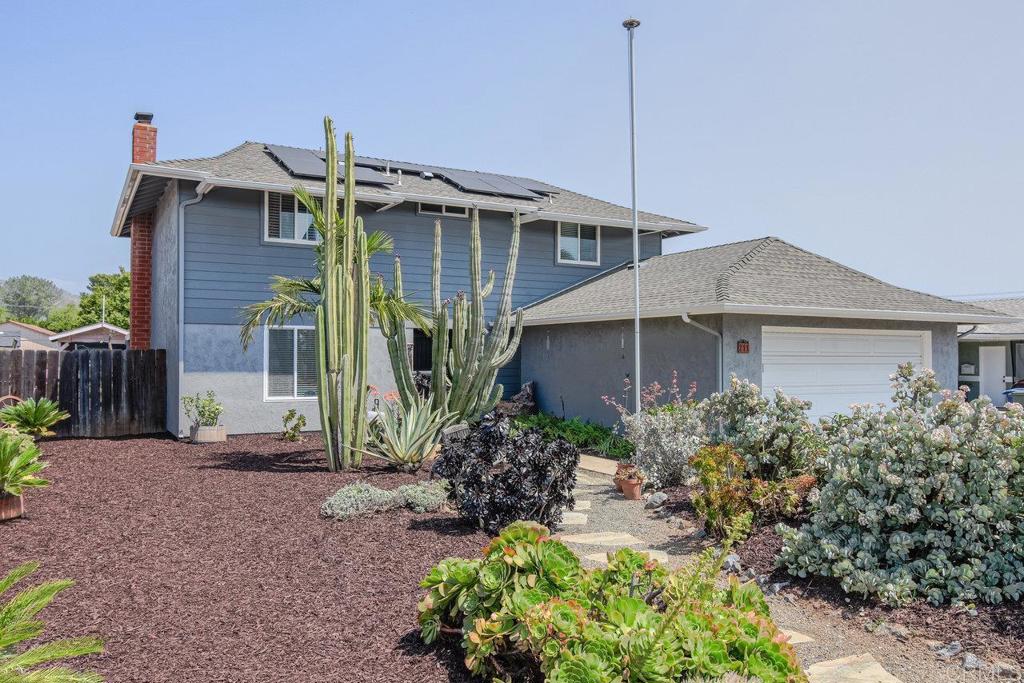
column 107, row 393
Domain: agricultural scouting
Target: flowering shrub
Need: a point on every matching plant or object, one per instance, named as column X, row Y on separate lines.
column 528, row 610
column 665, row 434
column 774, row 436
column 926, row 499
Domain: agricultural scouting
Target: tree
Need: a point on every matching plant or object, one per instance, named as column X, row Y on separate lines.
column 29, row 298
column 63, row 318
column 115, row 289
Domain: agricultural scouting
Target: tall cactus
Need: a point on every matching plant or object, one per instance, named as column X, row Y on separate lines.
column 343, row 316
column 463, row 373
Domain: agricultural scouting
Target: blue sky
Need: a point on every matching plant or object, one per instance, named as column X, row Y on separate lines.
column 886, row 135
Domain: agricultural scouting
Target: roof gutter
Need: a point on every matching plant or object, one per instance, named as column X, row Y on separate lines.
column 542, row 215
column 747, row 309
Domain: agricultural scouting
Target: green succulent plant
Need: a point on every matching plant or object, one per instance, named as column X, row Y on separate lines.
column 33, row 417
column 18, row 625
column 405, row 434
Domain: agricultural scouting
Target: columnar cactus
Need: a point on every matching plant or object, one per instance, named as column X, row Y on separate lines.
column 464, row 371
column 343, row 316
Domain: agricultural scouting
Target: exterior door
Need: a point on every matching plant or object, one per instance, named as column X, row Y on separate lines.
column 992, row 372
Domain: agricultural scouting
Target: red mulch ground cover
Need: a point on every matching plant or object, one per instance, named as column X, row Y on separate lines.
column 211, row 563
column 997, row 632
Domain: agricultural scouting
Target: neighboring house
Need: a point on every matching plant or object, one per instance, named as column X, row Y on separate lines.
column 19, row 335
column 992, row 355
column 96, row 336
column 208, row 234
column 763, row 309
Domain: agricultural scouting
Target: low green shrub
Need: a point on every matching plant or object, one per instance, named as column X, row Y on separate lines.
column 18, row 625
column 528, row 608
column 425, row 496
column 33, row 417
column 923, row 500
column 362, row 499
column 580, row 433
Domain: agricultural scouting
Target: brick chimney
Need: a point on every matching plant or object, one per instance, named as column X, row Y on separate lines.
column 143, row 152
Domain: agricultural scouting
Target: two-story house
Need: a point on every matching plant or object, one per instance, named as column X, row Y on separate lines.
column 208, row 234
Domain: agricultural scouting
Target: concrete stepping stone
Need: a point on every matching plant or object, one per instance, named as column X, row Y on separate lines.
column 795, row 637
column 581, row 505
column 611, row 539
column 602, row 558
column 853, row 669
column 594, row 463
column 574, row 518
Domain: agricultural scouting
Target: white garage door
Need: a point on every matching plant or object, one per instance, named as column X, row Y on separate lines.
column 835, row 368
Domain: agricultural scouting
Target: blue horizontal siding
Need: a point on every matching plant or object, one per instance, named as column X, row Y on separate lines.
column 228, row 266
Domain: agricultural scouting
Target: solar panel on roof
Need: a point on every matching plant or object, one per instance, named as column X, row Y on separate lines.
column 533, row 185
column 309, row 164
column 487, row 183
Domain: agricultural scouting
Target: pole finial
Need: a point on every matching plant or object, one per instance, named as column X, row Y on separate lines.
column 631, row 23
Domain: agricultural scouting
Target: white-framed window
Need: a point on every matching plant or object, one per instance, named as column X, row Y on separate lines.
column 444, row 210
column 287, row 220
column 289, row 363
column 578, row 244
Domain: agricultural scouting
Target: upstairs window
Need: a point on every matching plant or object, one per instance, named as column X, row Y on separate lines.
column 290, row 363
column 444, row 210
column 579, row 244
column 288, row 220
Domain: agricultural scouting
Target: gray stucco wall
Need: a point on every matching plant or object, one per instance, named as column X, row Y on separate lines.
column 165, row 293
column 228, row 265
column 575, row 365
column 736, row 327
column 214, row 360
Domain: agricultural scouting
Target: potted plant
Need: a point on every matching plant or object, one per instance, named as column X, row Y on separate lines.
column 19, row 464
column 632, row 482
column 621, row 468
column 205, row 412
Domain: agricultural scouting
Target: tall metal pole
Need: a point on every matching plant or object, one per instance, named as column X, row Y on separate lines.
column 630, row 25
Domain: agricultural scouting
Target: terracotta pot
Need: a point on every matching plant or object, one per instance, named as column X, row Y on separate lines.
column 631, row 489
column 619, row 469
column 11, row 507
column 208, row 434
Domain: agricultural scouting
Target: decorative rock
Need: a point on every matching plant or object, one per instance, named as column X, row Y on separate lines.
column 897, row 631
column 574, row 518
column 796, row 638
column 748, row 574
column 1005, row 670
column 732, row 564
column 971, row 662
column 777, row 587
column 934, row 645
column 523, row 403
column 656, row 500
column 608, row 538
column 950, row 650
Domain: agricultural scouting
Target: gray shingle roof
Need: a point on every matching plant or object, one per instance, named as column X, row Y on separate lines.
column 250, row 162
column 1011, row 307
column 752, row 277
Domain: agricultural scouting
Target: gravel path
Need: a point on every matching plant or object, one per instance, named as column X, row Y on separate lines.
column 832, row 636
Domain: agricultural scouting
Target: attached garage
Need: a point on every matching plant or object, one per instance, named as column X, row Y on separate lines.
column 764, row 310
column 836, row 367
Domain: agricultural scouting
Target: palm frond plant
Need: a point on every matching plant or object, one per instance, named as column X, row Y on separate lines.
column 19, row 465
column 33, row 417
column 405, row 435
column 297, row 297
column 18, row 625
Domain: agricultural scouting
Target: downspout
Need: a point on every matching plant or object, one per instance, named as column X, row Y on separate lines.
column 201, row 190
column 720, row 348
column 967, row 332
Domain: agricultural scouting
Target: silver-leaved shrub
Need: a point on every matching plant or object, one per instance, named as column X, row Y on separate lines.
column 922, row 500
column 774, row 435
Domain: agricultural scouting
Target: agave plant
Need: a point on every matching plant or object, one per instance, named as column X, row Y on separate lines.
column 405, row 435
column 18, row 625
column 19, row 465
column 33, row 417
